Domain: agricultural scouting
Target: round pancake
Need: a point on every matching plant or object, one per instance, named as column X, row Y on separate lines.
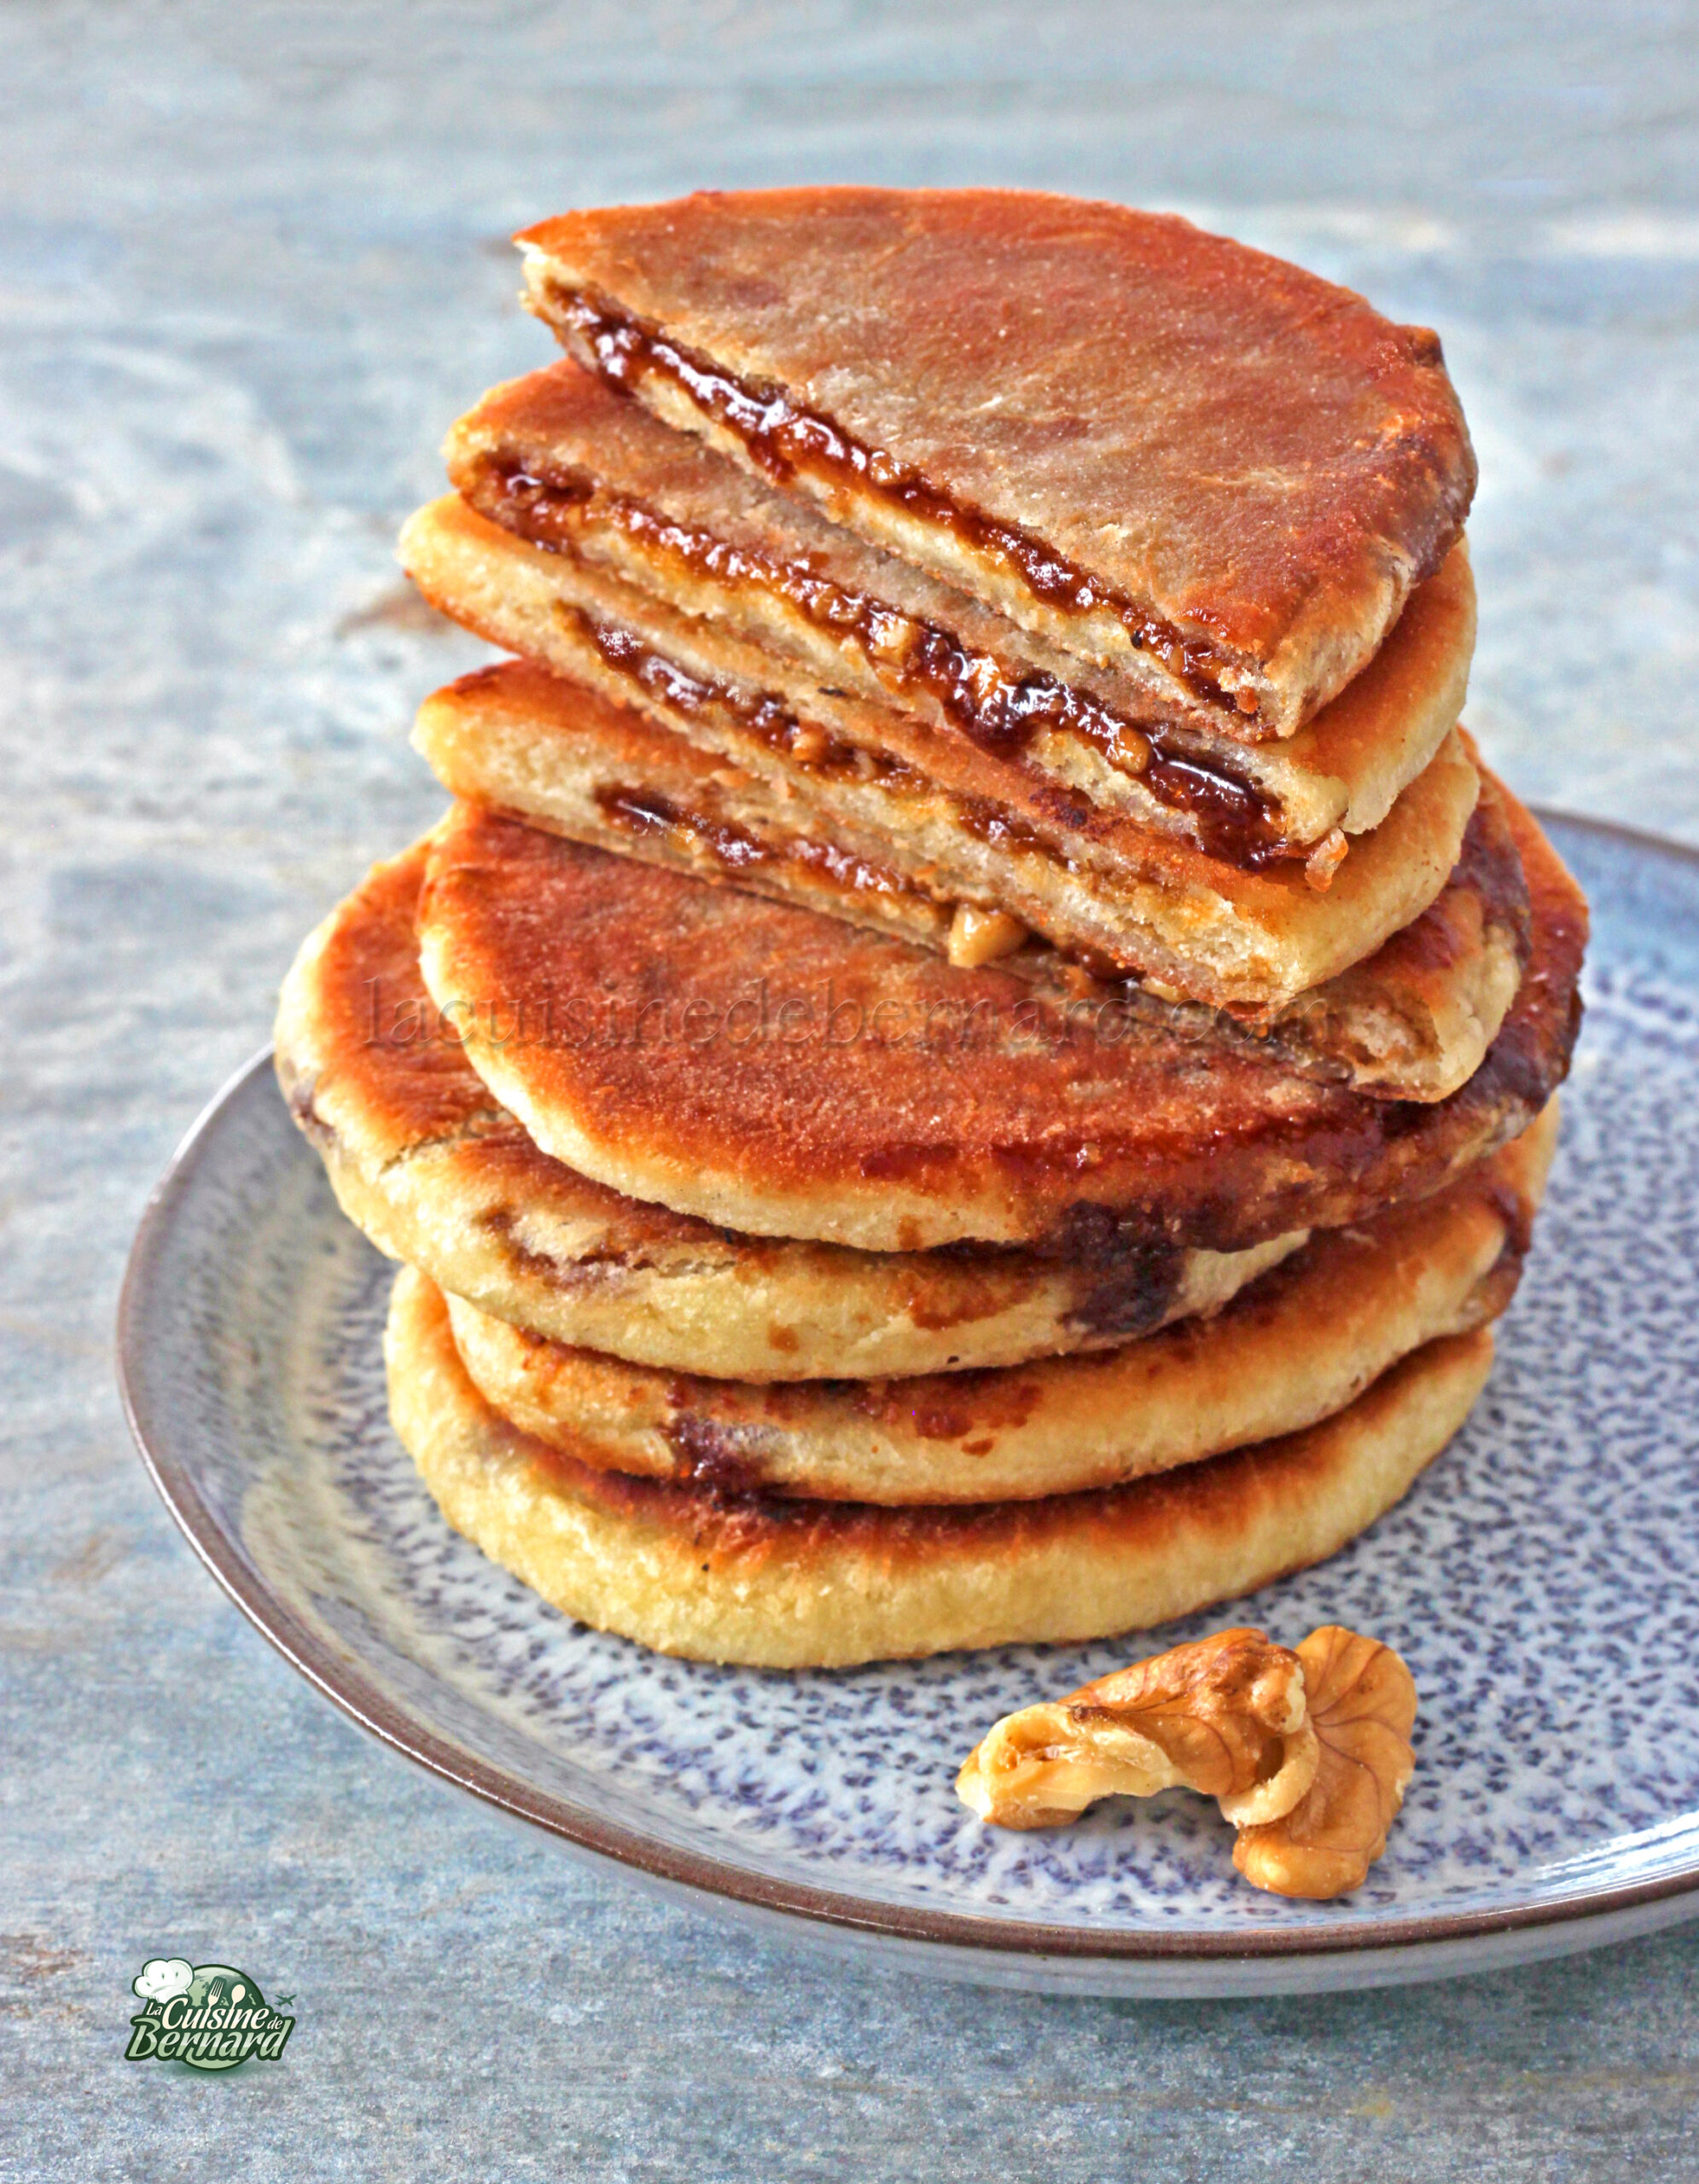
column 784, row 1073
column 685, row 1569
column 436, row 1172
column 1295, row 1347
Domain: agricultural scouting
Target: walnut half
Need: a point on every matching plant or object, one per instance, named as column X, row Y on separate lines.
column 1226, row 1716
column 1362, row 1705
column 1307, row 1753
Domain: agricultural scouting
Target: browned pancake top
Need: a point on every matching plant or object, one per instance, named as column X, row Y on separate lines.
column 377, row 1026
column 380, row 1036
column 402, row 1085
column 703, row 1034
column 1253, row 454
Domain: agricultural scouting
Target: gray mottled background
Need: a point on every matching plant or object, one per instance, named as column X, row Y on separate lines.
column 251, row 264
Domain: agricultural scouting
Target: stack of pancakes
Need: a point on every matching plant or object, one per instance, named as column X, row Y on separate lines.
column 973, row 1059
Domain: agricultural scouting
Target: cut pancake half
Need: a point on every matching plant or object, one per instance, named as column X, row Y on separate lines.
column 971, row 379
column 1142, row 903
column 777, row 1583
column 426, row 1162
column 1410, row 1022
column 783, row 1073
column 1297, row 1346
column 561, row 460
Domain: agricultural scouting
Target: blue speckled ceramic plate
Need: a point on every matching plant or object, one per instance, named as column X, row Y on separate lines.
column 1542, row 1580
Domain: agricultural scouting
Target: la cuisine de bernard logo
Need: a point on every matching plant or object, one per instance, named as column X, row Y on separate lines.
column 210, row 2016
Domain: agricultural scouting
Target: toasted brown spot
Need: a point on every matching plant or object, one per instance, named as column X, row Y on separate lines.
column 307, row 1117
column 950, row 1406
column 707, row 1457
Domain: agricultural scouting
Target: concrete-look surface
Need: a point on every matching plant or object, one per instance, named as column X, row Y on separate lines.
column 252, row 263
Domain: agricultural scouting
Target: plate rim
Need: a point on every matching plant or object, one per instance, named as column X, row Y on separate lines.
column 354, row 1695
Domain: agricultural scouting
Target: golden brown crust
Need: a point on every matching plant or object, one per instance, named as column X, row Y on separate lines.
column 785, row 1074
column 791, row 1584
column 1299, row 1344
column 436, row 1173
column 1282, row 464
column 1416, row 1019
column 559, row 459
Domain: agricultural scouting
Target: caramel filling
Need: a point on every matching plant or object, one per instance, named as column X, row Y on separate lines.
column 645, row 812
column 785, row 439
column 809, row 749
column 757, row 713
column 998, row 711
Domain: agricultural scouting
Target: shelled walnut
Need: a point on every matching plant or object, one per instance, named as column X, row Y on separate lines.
column 1362, row 1706
column 1226, row 1716
column 1307, row 1753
